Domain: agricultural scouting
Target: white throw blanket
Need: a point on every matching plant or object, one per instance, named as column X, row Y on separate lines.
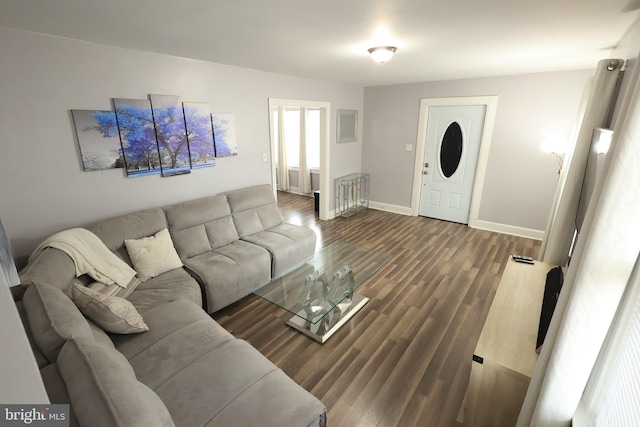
column 90, row 256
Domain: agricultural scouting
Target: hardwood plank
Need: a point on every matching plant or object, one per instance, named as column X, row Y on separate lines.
column 405, row 358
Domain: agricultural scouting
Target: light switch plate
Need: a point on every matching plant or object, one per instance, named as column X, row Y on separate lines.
column 408, row 147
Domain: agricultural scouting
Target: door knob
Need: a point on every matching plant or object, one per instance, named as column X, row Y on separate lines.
column 425, row 172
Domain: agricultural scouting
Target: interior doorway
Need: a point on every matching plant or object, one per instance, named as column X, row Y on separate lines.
column 296, row 133
column 304, row 173
column 449, row 167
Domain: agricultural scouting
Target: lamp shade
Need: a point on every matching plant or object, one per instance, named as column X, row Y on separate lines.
column 6, row 259
column 602, row 140
column 382, row 54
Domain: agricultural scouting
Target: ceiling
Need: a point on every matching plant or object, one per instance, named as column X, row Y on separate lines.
column 328, row 39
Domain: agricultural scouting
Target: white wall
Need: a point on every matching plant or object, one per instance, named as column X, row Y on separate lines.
column 42, row 186
column 520, row 180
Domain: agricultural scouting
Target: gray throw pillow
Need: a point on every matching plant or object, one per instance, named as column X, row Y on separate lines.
column 103, row 388
column 111, row 313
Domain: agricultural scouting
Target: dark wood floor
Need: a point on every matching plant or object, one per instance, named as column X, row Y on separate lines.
column 404, row 360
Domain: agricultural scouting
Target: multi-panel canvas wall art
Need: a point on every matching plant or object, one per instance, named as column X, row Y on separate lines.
column 224, row 134
column 138, row 136
column 171, row 134
column 161, row 135
column 100, row 147
column 197, row 116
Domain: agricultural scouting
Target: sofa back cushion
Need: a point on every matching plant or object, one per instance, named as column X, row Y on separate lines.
column 57, row 390
column 200, row 225
column 41, row 359
column 51, row 266
column 113, row 232
column 53, row 319
column 103, row 388
column 254, row 209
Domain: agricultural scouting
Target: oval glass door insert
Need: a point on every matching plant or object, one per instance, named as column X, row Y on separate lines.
column 451, row 150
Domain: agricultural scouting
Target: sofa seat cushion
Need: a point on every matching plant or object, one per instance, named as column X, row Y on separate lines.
column 274, row 400
column 290, row 245
column 170, row 286
column 243, row 388
column 231, row 272
column 179, row 333
column 103, row 388
column 53, row 319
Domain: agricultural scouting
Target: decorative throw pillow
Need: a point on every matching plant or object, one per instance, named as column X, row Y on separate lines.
column 154, row 255
column 113, row 314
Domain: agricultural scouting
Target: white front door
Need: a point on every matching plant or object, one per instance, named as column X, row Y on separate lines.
column 451, row 157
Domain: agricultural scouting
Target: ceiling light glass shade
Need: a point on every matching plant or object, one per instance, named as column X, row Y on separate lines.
column 382, row 53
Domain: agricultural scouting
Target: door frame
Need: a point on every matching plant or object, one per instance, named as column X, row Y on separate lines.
column 325, row 147
column 491, row 104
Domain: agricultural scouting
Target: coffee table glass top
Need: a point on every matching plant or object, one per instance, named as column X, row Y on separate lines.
column 325, row 282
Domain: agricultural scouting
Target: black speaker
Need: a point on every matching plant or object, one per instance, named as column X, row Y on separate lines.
column 552, row 289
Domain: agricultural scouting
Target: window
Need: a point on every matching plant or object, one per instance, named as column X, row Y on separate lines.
column 291, row 134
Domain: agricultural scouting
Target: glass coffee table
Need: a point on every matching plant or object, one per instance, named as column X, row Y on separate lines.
column 321, row 293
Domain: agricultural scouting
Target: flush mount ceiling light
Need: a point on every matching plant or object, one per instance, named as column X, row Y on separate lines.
column 382, row 54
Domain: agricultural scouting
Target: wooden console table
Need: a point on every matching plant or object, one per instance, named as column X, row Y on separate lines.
column 505, row 356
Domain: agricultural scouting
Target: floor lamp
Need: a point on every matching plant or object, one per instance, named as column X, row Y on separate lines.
column 6, row 259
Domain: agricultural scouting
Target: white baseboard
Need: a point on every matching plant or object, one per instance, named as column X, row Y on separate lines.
column 402, row 210
column 507, row 229
column 296, row 190
column 481, row 225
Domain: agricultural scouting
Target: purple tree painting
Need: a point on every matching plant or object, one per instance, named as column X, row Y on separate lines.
column 171, row 134
column 134, row 122
column 224, row 135
column 99, row 147
column 199, row 134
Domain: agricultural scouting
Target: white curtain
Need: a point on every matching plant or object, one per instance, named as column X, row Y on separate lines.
column 283, row 165
column 612, row 395
column 595, row 281
column 561, row 224
column 304, row 173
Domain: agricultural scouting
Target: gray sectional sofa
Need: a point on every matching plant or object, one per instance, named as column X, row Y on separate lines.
column 236, row 242
column 186, row 370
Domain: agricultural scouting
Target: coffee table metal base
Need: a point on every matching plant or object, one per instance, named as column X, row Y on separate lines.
column 333, row 321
